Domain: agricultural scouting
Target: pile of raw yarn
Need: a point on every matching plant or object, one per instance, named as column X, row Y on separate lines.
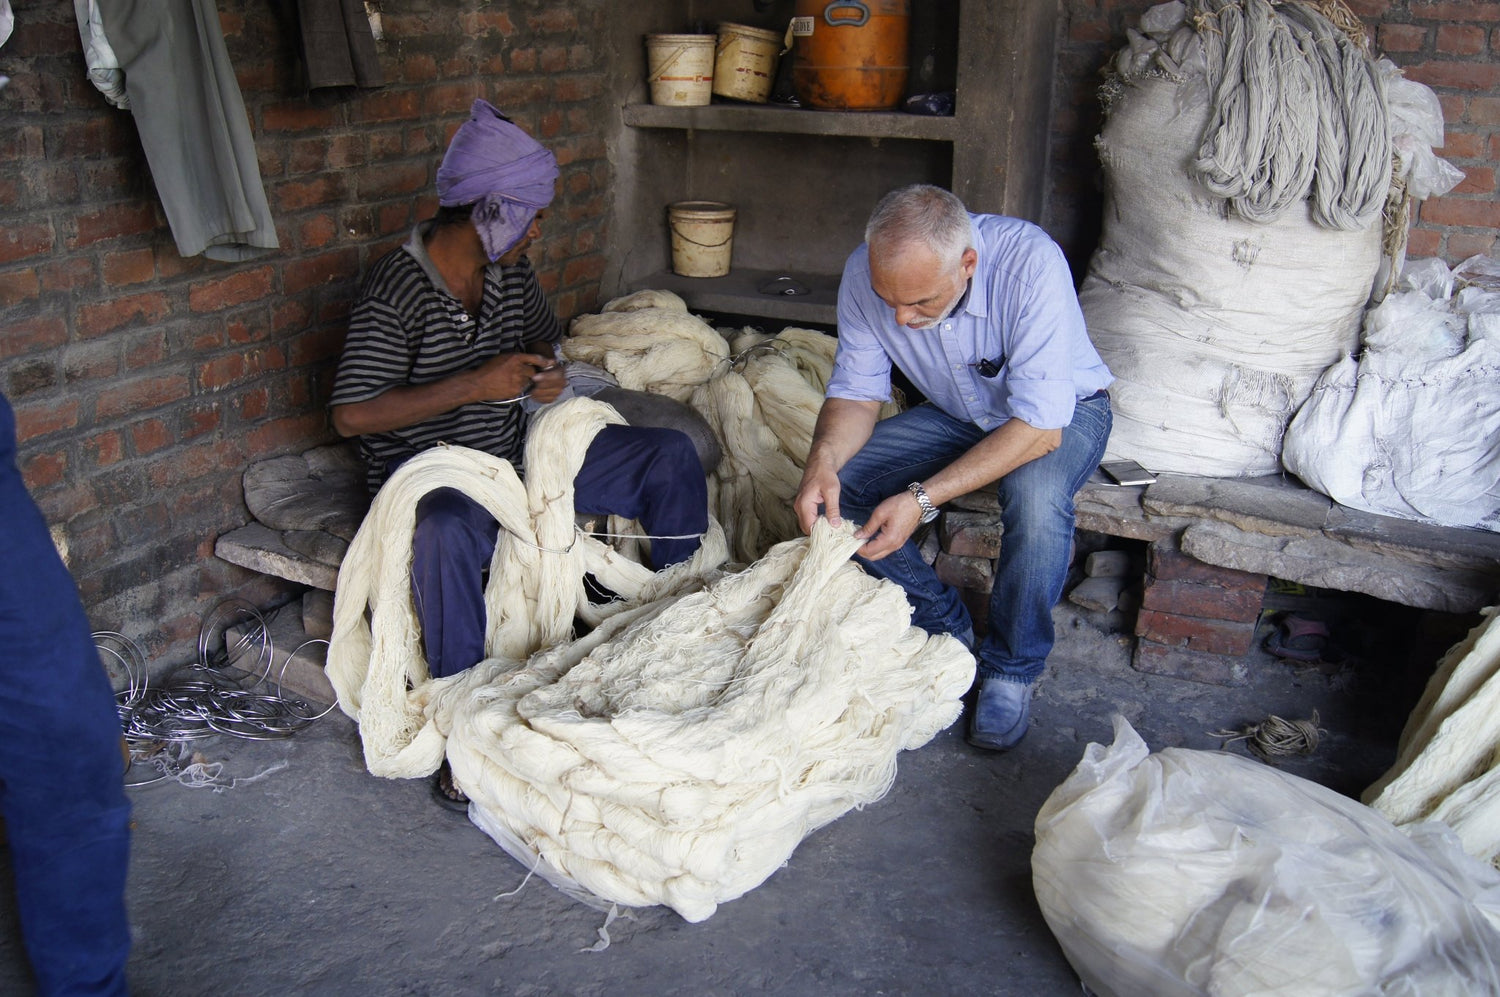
column 708, row 721
column 1447, row 764
column 760, row 394
column 1259, row 167
column 1408, row 427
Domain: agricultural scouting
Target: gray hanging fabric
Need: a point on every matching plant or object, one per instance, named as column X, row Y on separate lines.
column 193, row 125
column 338, row 47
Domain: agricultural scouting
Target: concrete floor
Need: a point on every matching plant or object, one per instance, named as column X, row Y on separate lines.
column 321, row 879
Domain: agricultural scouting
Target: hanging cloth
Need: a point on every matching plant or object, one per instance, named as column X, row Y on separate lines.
column 338, row 47
column 193, row 126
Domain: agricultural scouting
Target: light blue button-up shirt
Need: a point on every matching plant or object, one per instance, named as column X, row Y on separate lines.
column 1021, row 313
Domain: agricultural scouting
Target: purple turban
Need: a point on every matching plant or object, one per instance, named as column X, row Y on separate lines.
column 506, row 174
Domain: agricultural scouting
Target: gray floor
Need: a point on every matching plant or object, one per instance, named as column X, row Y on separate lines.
column 321, row 879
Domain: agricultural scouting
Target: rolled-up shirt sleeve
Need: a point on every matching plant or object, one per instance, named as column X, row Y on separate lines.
column 1041, row 374
column 861, row 365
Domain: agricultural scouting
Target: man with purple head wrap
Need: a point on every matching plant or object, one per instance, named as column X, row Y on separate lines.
column 450, row 336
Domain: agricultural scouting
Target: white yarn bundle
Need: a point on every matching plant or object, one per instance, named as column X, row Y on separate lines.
column 536, row 586
column 679, row 753
column 761, row 395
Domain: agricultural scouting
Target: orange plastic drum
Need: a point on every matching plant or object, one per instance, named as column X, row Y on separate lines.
column 850, row 55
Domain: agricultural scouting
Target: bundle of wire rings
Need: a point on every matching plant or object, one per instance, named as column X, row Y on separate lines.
column 207, row 698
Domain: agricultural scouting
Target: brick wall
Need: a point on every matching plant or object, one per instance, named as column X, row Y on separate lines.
column 143, row 382
column 1452, row 47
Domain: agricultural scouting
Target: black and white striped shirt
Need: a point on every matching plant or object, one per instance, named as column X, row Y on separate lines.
column 407, row 329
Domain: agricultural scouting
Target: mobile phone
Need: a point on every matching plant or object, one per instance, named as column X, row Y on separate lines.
column 1127, row 472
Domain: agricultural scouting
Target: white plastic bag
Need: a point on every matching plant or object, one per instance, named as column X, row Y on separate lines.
column 1411, row 428
column 1200, row 872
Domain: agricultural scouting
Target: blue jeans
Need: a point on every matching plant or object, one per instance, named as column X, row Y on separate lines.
column 638, row 472
column 61, row 788
column 1036, row 510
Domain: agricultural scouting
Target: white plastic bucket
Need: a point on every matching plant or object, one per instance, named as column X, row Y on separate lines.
column 702, row 237
column 745, row 62
column 680, row 69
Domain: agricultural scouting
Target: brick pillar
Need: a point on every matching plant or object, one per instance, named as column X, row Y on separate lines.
column 1197, row 621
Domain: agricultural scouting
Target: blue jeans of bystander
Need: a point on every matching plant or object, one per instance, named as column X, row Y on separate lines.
column 1036, row 510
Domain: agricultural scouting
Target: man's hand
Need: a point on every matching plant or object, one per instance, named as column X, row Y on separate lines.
column 508, row 376
column 819, row 488
column 890, row 525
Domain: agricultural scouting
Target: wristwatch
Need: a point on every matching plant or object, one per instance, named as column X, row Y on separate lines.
column 929, row 511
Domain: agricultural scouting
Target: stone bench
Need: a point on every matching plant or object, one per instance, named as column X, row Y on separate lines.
column 1213, row 543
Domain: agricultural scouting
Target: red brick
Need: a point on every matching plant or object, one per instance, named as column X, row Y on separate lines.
column 296, row 116
column 104, row 449
column 198, row 421
column 235, row 289
column 287, row 433
column 131, row 266
column 1461, row 212
column 254, row 404
column 418, row 69
column 484, row 21
column 39, row 420
column 970, row 534
column 1460, row 39
column 68, row 273
column 581, row 57
column 449, row 97
column 523, row 60
column 1424, row 243
column 1462, row 245
column 42, row 469
column 974, row 573
column 146, row 351
column 317, row 232
column 290, row 315
column 299, row 194
column 388, row 105
column 1458, row 10
column 553, row 59
column 225, row 370
column 386, row 144
column 307, row 155
column 1401, row 37
column 313, row 271
column 1197, row 599
column 21, row 143
column 113, row 222
column 393, row 181
column 19, row 285
column 1457, row 75
column 1213, row 636
column 553, row 20
column 20, row 241
column 149, row 436
column 587, row 268
column 1484, row 111
column 100, row 135
column 1165, row 562
column 1461, row 145
column 57, row 183
column 134, row 309
column 140, row 395
column 1195, row 666
column 1477, row 180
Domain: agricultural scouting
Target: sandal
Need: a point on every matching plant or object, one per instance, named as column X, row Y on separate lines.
column 1298, row 638
column 446, row 791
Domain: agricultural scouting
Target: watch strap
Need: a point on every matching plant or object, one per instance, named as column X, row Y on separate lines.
column 929, row 511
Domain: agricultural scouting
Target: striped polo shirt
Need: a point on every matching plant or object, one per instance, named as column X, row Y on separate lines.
column 408, row 329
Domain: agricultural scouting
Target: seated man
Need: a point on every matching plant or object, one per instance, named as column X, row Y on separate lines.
column 979, row 312
column 450, row 336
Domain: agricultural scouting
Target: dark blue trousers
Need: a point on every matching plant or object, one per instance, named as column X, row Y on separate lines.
column 61, row 788
column 648, row 474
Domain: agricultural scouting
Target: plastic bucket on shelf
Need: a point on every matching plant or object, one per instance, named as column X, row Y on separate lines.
column 702, row 237
column 745, row 62
column 680, row 69
column 851, row 55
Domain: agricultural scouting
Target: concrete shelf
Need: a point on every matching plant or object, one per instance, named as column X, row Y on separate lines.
column 793, row 121
column 738, row 293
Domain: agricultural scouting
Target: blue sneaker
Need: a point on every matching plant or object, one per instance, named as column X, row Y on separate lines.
column 1002, row 712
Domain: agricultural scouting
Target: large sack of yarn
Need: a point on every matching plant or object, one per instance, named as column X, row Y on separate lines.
column 1215, row 325
column 1186, row 873
column 1409, row 428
